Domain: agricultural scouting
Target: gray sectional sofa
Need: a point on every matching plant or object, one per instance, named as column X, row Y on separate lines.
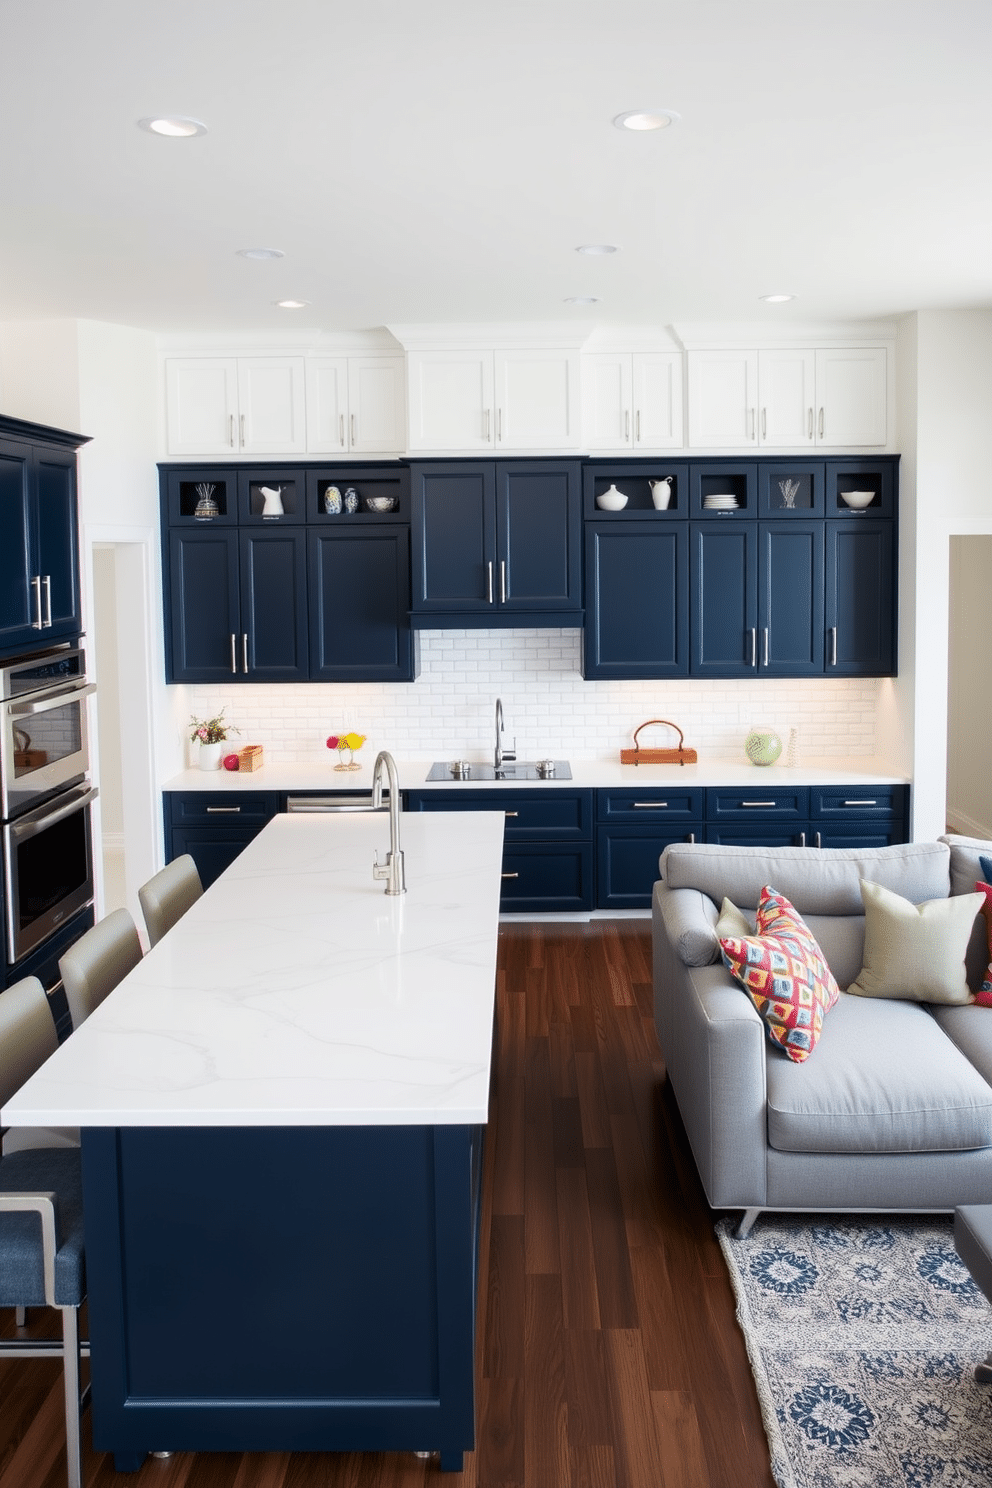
column 892, row 1110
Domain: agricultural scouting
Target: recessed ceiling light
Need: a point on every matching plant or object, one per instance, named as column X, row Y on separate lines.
column 173, row 126
column 582, row 300
column 291, row 304
column 777, row 299
column 261, row 253
column 641, row 119
column 596, row 250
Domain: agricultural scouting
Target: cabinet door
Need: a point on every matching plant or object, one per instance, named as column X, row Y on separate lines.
column 723, row 396
column 851, row 395
column 724, row 588
column 637, row 605
column 607, row 407
column 203, row 611
column 359, row 604
column 787, row 393
column 627, row 861
column 57, row 554
column 860, row 599
column 454, row 537
column 657, row 400
column 376, row 420
column 451, row 400
column 790, row 599
column 272, row 406
column 21, row 613
column 537, row 399
column 539, row 537
column 272, row 644
column 213, row 849
column 327, row 405
column 202, row 405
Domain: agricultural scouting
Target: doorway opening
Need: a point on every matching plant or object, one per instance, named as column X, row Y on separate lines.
column 969, row 687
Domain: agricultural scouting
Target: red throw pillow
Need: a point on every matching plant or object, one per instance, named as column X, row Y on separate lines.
column 984, row 997
column 783, row 971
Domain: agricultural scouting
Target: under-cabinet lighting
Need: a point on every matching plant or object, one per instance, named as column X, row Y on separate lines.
column 173, row 126
column 597, row 250
column 291, row 304
column 261, row 253
column 582, row 300
column 777, row 299
column 642, row 119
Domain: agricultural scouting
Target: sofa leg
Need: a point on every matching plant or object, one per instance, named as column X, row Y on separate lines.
column 983, row 1372
column 747, row 1220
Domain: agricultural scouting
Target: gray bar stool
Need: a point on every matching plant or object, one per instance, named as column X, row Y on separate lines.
column 41, row 1216
column 165, row 898
column 93, row 966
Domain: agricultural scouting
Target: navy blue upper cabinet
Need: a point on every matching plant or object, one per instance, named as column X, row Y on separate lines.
column 39, row 562
column 790, row 598
column 637, row 600
column 273, row 635
column 359, row 599
column 860, row 599
column 203, row 606
column 724, row 586
column 496, row 544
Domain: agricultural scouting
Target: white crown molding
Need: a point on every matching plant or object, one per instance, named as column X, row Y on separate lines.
column 282, row 342
column 524, row 335
column 727, row 335
column 623, row 338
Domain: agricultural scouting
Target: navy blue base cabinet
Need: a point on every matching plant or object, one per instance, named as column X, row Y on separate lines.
column 282, row 1289
column 633, row 828
column 214, row 826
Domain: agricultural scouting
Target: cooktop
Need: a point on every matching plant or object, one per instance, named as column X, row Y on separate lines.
column 512, row 770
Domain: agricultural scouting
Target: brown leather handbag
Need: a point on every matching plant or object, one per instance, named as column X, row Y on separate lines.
column 638, row 756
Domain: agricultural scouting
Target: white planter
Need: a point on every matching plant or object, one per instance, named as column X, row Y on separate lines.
column 208, row 757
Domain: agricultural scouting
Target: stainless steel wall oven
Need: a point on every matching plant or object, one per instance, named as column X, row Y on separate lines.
column 45, row 795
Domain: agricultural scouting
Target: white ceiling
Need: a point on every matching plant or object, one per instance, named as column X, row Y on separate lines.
column 440, row 160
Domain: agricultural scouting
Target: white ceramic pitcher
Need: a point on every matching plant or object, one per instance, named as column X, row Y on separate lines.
column 661, row 492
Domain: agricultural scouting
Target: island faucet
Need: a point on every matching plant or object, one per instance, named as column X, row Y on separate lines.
column 392, row 869
column 502, row 754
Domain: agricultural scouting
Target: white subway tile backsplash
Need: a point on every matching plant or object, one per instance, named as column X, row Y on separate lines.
column 548, row 707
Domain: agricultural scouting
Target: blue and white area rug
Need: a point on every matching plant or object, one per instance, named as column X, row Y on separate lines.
column 863, row 1339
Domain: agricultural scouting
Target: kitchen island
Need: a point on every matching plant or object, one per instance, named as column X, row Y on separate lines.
column 282, row 1111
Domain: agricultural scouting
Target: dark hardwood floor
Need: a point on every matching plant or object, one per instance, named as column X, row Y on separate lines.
column 608, row 1352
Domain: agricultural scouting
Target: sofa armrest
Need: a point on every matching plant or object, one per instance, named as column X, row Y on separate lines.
column 714, row 1046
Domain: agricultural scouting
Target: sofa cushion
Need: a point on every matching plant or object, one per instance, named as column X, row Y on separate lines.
column 782, row 970
column 886, row 1078
column 970, row 1030
column 818, row 881
column 915, row 951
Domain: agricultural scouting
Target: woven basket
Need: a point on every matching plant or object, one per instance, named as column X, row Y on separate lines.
column 638, row 756
column 250, row 758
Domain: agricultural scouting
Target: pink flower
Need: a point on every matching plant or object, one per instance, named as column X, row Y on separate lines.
column 332, row 742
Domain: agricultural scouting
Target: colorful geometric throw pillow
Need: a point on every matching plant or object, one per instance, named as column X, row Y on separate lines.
column 783, row 971
column 986, row 867
column 984, row 997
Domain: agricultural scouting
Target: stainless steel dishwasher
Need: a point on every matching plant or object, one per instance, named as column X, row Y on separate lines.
column 331, row 801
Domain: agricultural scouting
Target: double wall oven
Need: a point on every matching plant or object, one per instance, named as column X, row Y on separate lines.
column 46, row 796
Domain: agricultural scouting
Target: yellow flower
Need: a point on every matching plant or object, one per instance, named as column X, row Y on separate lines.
column 354, row 741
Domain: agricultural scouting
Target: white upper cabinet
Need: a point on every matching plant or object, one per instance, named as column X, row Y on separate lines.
column 355, row 405
column 235, row 406
column 482, row 400
column 790, row 398
column 632, row 400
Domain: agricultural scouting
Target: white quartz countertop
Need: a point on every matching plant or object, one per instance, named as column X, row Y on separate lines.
column 296, row 992
column 321, row 776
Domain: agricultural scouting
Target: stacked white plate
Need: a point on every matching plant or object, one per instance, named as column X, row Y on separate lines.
column 721, row 503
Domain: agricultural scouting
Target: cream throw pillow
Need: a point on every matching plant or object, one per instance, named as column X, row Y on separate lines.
column 915, row 952
column 733, row 923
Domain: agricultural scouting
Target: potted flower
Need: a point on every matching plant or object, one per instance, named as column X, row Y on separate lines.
column 346, row 744
column 210, row 734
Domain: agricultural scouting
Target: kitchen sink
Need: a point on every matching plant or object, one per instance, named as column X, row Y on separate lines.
column 510, row 771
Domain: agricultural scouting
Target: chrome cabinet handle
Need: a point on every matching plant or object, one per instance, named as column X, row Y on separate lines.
column 764, row 647
column 244, row 650
column 489, row 582
column 810, row 434
column 46, row 705
column 47, row 581
column 341, row 428
column 231, row 432
column 499, row 425
column 511, row 813
column 819, row 841
column 354, row 432
column 833, row 645
column 750, row 804
column 38, row 624
column 502, row 581
column 637, row 426
column 486, row 436
column 222, row 810
column 859, row 803
column 650, row 805
column 242, row 428
column 764, row 423
column 234, row 653
column 754, row 647
column 692, row 837
column 509, row 875
column 802, row 839
column 821, row 423
column 626, row 426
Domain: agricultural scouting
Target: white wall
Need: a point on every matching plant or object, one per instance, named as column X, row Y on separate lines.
column 969, row 778
column 39, row 372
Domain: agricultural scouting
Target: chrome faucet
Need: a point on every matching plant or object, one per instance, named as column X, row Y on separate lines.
column 392, row 869
column 502, row 754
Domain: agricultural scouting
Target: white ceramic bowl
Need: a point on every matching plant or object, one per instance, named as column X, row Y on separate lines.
column 857, row 499
column 381, row 503
column 611, row 501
